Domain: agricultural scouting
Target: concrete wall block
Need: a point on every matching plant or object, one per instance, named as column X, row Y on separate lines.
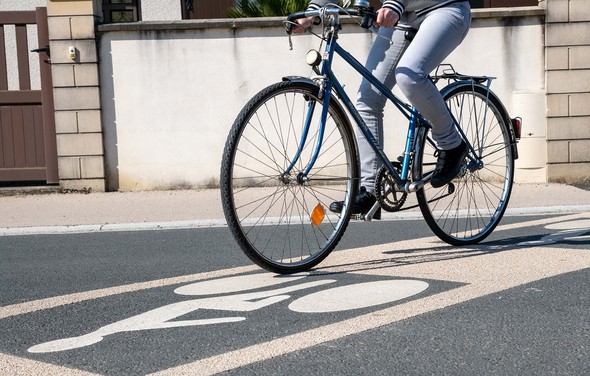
column 568, row 34
column 82, row 27
column 69, row 167
column 62, row 75
column 557, row 58
column 59, row 28
column 94, row 185
column 76, row 98
column 577, row 81
column 66, row 122
column 558, row 105
column 580, row 151
column 579, row 57
column 580, row 104
column 89, row 121
column 531, row 106
column 69, row 8
column 86, row 74
column 568, row 128
column 558, row 152
column 568, row 173
column 81, row 144
column 92, row 167
column 557, row 11
column 86, row 51
column 579, row 10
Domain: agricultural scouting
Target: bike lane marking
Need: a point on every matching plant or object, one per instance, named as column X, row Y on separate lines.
column 419, row 258
column 492, row 271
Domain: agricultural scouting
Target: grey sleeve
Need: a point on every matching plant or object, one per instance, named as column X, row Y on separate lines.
column 397, row 6
column 317, row 4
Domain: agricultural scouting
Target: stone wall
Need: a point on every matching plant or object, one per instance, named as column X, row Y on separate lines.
column 568, row 90
column 76, row 92
column 171, row 90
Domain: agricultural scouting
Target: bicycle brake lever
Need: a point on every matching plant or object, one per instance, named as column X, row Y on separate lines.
column 368, row 18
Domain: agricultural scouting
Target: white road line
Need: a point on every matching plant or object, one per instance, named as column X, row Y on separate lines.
column 142, row 226
column 15, row 366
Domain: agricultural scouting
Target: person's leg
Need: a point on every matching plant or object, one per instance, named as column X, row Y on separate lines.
column 385, row 53
column 440, row 32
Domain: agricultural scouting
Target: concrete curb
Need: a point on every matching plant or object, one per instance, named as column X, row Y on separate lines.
column 216, row 223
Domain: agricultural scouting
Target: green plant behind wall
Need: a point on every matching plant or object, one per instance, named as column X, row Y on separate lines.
column 268, row 8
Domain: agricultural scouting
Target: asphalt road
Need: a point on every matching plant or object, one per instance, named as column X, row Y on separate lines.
column 391, row 300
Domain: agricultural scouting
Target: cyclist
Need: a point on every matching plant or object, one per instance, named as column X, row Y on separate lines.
column 441, row 26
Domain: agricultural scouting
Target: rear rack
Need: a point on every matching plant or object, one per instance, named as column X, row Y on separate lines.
column 447, row 72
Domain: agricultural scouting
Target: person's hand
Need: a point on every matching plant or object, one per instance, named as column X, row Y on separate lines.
column 302, row 24
column 386, row 18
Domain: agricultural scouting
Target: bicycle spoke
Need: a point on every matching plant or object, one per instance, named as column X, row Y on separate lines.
column 468, row 209
column 269, row 206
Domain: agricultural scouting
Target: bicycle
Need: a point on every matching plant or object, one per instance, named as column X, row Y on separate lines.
column 292, row 151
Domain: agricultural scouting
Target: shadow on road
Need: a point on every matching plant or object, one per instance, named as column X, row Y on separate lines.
column 444, row 252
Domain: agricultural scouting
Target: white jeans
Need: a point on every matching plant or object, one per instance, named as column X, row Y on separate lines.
column 392, row 60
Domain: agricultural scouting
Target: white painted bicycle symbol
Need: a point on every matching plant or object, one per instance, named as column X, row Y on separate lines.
column 231, row 297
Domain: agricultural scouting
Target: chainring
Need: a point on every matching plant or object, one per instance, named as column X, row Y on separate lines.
column 387, row 193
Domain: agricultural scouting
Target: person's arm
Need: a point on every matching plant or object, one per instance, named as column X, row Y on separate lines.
column 398, row 6
column 313, row 5
column 390, row 13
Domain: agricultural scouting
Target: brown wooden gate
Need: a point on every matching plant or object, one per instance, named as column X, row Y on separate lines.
column 28, row 149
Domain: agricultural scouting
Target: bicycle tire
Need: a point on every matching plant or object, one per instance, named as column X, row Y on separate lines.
column 269, row 213
column 468, row 209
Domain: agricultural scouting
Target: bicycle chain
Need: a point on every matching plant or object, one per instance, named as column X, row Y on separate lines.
column 387, row 192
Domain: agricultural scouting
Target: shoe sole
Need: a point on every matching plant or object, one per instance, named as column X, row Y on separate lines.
column 456, row 174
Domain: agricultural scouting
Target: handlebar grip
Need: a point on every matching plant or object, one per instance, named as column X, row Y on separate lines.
column 292, row 18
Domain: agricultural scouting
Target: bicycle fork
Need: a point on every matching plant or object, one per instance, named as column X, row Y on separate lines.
column 302, row 176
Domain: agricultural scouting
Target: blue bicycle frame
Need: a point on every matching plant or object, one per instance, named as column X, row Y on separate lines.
column 329, row 83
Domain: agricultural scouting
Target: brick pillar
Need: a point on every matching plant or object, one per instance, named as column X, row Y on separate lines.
column 568, row 90
column 76, row 91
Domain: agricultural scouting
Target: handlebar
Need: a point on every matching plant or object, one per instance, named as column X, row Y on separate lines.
column 368, row 15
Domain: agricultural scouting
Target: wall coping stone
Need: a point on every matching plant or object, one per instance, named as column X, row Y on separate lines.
column 242, row 23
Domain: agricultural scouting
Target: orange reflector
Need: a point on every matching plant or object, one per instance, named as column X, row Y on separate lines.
column 318, row 215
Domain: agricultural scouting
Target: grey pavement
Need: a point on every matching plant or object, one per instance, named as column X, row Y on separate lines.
column 29, row 211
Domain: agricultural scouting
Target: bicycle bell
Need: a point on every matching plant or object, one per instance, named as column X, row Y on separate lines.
column 313, row 58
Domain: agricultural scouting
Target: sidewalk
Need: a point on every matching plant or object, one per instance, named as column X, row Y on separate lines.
column 174, row 209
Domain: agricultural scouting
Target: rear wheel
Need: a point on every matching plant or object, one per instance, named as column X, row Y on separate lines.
column 281, row 220
column 467, row 210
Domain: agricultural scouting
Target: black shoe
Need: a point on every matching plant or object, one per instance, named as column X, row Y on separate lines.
column 448, row 165
column 361, row 204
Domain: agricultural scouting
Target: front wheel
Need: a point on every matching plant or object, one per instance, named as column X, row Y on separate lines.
column 279, row 217
column 468, row 209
